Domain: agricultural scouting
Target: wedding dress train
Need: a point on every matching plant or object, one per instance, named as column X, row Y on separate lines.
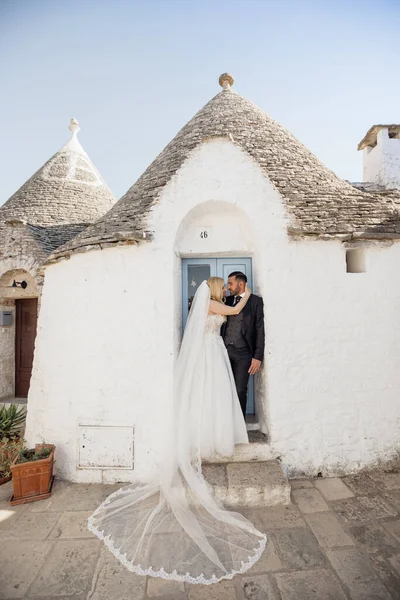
column 173, row 527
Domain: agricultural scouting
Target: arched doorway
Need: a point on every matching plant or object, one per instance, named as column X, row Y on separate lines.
column 19, row 308
column 214, row 239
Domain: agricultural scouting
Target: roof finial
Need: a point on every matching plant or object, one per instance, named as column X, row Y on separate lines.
column 226, row 81
column 74, row 127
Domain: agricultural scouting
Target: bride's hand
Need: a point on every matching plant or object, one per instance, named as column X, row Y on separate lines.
column 247, row 289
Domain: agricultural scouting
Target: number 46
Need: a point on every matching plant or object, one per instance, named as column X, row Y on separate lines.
column 204, row 235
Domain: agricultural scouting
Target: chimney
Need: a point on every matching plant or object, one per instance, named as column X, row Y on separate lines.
column 381, row 156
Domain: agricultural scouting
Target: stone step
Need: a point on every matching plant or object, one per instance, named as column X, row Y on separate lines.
column 258, row 483
column 252, row 423
column 257, row 450
column 8, row 401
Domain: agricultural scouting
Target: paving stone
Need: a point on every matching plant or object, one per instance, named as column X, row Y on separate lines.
column 73, row 597
column 393, row 527
column 363, row 509
column 362, row 484
column 224, row 590
column 384, row 570
column 72, row 525
column 392, row 497
column 373, row 538
column 309, row 501
column 378, row 507
column 314, row 584
column 269, row 560
column 6, row 492
column 110, row 575
column 31, row 526
column 68, row 569
column 20, row 562
column 298, row 548
column 373, row 524
column 160, row 588
column 391, row 481
column 9, row 515
column 328, row 530
column 258, row 587
column 353, row 569
column 75, row 497
column 59, row 490
column 333, row 488
column 274, row 517
column 395, row 562
column 301, row 484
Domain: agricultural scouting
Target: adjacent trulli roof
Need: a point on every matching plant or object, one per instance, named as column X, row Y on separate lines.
column 68, row 189
column 318, row 202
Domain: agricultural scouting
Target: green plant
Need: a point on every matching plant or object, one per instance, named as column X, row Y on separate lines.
column 29, row 454
column 5, row 469
column 12, row 419
column 9, row 449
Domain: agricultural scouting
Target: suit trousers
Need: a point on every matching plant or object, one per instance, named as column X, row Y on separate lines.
column 240, row 359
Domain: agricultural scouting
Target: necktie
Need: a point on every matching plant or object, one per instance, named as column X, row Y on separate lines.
column 237, row 300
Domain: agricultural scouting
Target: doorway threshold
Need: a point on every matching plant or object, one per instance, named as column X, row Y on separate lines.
column 12, row 400
column 252, row 423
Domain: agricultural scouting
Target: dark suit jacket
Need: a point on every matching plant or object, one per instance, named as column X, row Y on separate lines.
column 253, row 325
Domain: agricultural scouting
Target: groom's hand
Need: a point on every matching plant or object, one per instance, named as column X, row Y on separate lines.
column 255, row 366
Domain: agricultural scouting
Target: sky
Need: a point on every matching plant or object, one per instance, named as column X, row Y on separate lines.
column 133, row 72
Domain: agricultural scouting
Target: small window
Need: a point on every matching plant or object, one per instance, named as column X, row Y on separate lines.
column 355, row 260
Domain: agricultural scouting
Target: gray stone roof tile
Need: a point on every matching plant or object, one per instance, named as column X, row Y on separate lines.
column 317, row 201
column 52, row 237
column 67, row 189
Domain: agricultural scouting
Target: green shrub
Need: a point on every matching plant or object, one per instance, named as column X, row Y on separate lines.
column 12, row 419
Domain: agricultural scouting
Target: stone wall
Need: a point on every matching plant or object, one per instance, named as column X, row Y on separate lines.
column 20, row 259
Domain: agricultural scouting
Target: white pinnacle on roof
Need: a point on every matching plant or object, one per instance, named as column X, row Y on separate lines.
column 73, row 143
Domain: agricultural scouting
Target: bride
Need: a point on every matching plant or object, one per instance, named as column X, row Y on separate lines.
column 173, row 527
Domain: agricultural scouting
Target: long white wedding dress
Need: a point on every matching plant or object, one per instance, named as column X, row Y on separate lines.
column 173, row 527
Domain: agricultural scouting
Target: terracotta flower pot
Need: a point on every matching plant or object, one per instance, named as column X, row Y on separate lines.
column 32, row 480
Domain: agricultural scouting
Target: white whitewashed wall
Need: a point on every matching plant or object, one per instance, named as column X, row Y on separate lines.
column 109, row 329
column 381, row 164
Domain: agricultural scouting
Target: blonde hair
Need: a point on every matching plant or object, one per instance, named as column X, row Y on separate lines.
column 216, row 285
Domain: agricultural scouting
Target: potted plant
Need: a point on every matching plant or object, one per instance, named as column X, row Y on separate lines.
column 9, row 448
column 12, row 419
column 32, row 474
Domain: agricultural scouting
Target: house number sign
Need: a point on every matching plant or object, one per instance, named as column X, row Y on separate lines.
column 204, row 233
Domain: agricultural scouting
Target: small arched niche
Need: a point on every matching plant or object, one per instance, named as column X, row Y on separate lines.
column 215, row 228
column 17, row 283
column 355, row 260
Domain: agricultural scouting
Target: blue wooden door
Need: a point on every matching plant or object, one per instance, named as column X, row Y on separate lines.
column 196, row 270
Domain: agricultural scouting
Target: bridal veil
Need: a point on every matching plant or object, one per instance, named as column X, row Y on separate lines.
column 174, row 527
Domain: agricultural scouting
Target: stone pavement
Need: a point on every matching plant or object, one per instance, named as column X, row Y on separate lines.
column 340, row 538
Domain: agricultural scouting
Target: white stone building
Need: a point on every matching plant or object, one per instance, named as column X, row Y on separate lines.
column 60, row 200
column 233, row 188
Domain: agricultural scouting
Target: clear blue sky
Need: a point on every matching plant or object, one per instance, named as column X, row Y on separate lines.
column 133, row 72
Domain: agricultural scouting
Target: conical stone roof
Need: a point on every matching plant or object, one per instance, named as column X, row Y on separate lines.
column 317, row 201
column 68, row 189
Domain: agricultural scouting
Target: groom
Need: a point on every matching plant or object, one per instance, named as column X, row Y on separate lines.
column 243, row 335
